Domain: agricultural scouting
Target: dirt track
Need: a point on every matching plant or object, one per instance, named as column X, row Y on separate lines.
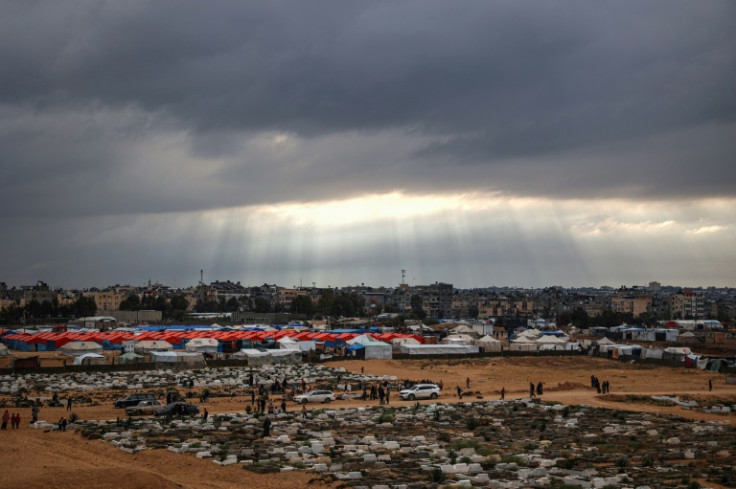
column 34, row 459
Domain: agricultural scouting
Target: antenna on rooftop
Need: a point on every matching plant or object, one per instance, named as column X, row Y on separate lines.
column 403, row 277
column 201, row 277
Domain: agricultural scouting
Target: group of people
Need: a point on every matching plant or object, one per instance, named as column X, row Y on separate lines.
column 13, row 418
column 601, row 387
column 382, row 392
column 537, row 390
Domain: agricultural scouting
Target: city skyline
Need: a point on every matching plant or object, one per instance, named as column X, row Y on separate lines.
column 517, row 143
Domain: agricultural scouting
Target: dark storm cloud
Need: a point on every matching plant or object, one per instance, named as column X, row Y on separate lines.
column 516, row 96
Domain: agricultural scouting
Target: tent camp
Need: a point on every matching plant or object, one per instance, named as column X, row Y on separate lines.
column 202, row 345
column 368, row 347
column 129, row 358
column 90, row 359
column 81, row 347
column 171, row 358
column 438, row 349
column 4, row 352
column 488, row 343
column 151, row 346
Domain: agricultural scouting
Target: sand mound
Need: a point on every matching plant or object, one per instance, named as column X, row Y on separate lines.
column 104, row 478
column 566, row 386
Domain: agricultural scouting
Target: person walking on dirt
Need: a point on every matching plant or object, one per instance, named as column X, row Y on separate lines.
column 710, row 385
column 467, row 382
column 6, row 418
column 540, row 389
column 459, row 392
column 266, row 427
column 531, row 390
column 503, row 393
column 34, row 413
column 69, row 402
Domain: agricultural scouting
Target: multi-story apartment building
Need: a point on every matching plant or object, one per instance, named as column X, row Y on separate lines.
column 630, row 301
column 109, row 299
column 514, row 304
column 288, row 295
column 686, row 304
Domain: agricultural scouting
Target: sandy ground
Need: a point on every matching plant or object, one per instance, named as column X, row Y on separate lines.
column 34, row 459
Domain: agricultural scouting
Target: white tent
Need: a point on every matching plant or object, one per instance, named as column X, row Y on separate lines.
column 457, row 339
column 372, row 348
column 152, row 346
column 547, row 342
column 128, row 358
column 287, row 343
column 529, row 333
column 170, row 357
column 202, row 345
column 90, row 359
column 523, row 344
column 438, row 349
column 488, row 343
column 678, row 350
column 4, row 350
column 465, row 329
column 81, row 347
column 285, row 356
column 605, row 341
column 253, row 356
column 396, row 343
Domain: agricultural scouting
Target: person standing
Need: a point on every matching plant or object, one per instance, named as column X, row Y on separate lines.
column 266, row 427
column 459, row 392
column 467, row 382
column 69, row 402
column 540, row 389
column 710, row 385
column 205, row 415
column 34, row 413
column 503, row 393
column 531, row 390
column 6, row 418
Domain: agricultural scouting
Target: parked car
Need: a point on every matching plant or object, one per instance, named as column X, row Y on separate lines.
column 144, row 407
column 177, row 409
column 421, row 391
column 315, row 396
column 134, row 399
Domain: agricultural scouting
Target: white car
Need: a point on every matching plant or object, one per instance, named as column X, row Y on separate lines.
column 315, row 396
column 421, row 391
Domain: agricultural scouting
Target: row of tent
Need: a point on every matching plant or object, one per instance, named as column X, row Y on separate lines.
column 200, row 341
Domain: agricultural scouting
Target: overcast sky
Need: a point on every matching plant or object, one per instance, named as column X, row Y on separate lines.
column 521, row 143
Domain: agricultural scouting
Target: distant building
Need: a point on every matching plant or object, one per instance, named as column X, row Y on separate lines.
column 627, row 301
column 686, row 304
